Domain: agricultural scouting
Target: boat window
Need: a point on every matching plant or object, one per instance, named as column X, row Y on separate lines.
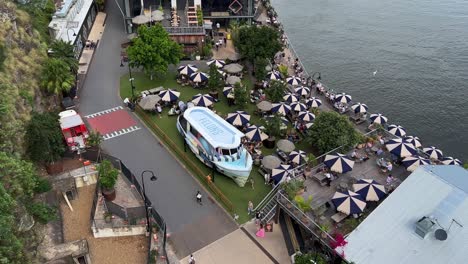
column 225, row 151
column 233, row 151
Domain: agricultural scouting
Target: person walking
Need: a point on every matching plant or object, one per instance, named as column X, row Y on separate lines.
column 191, row 259
column 199, row 197
column 258, row 217
column 250, row 207
column 225, row 42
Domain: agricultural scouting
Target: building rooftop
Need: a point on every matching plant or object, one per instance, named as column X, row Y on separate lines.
column 68, row 19
column 388, row 234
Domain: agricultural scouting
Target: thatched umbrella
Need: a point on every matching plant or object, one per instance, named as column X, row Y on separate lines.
column 264, row 106
column 233, row 68
column 233, row 80
column 157, row 15
column 148, row 102
column 270, row 162
column 285, row 145
column 140, row 20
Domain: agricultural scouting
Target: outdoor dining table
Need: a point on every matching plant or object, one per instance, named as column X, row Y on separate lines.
column 382, row 162
column 321, row 178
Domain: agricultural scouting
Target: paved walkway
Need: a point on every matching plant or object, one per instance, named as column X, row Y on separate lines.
column 191, row 226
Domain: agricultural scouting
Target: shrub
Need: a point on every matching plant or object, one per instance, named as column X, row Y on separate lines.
column 43, row 185
column 42, row 212
column 107, row 174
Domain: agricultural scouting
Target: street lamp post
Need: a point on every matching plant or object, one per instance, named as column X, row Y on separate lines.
column 153, row 178
column 131, row 79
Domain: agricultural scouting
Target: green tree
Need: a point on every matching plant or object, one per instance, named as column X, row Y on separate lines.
column 64, row 51
column 107, row 175
column 273, row 126
column 276, row 91
column 216, row 79
column 331, row 130
column 19, row 176
column 42, row 212
column 44, row 141
column 254, row 41
column 241, row 95
column 57, row 76
column 259, row 67
column 153, row 50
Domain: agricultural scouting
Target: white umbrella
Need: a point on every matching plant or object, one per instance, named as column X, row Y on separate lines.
column 140, row 20
column 360, row 108
column 397, row 130
column 413, row 140
column 378, row 119
column 293, row 80
column 217, row 63
column 343, row 98
column 239, row 118
column 369, row 189
column 199, row 77
column 339, row 163
column 313, row 102
column 400, row 148
column 169, row 95
column 233, row 68
column 285, row 145
column 281, row 108
column 433, row 152
column 255, row 133
column 451, row 161
column 306, row 116
column 274, row 75
column 298, row 107
column 188, row 69
column 349, row 202
column 413, row 162
column 302, row 91
column 202, row 100
column 298, row 156
column 233, row 80
column 279, row 172
column 290, row 98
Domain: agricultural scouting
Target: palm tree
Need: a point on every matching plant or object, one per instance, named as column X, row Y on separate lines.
column 65, row 51
column 57, row 77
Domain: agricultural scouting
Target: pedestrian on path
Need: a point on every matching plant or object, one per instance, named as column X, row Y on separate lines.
column 199, row 196
column 225, row 42
column 261, row 231
column 191, row 259
column 159, row 110
column 258, row 217
column 250, row 207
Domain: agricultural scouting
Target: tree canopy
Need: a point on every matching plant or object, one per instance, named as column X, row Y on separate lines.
column 276, row 91
column 254, row 41
column 241, row 95
column 153, row 50
column 216, row 79
column 57, row 76
column 331, row 130
column 65, row 51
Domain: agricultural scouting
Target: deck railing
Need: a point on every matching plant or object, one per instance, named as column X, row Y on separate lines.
column 185, row 30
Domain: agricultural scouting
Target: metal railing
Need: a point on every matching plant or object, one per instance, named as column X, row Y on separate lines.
column 185, row 30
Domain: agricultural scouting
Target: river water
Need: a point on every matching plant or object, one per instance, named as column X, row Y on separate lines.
column 419, row 49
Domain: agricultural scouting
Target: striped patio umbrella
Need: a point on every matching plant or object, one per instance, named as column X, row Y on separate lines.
column 188, row 69
column 434, row 153
column 280, row 172
column 298, row 106
column 369, row 189
column 222, row 73
column 378, row 119
column 306, row 116
column 202, row 100
column 199, row 77
column 217, row 63
column 309, row 125
column 169, row 95
column 360, row 108
column 338, row 163
column 451, row 161
column 313, row 102
column 413, row 162
column 239, row 118
column 397, row 130
column 343, row 98
column 227, row 90
column 413, row 140
column 401, row 148
column 273, row 75
column 254, row 133
column 349, row 202
column 281, row 108
column 293, row 80
column 290, row 98
column 302, row 91
column 285, row 145
column 298, row 156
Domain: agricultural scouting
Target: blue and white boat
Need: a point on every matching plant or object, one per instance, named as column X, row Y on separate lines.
column 216, row 143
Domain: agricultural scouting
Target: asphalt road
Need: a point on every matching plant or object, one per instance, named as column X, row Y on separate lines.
column 173, row 195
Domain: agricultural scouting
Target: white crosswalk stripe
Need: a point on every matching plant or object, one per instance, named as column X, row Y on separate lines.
column 120, row 132
column 107, row 111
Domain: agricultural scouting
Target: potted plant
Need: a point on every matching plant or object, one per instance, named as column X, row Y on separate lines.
column 324, row 228
column 107, row 178
column 94, row 140
column 215, row 81
column 311, row 162
column 273, row 129
column 293, row 188
column 107, row 217
column 303, row 204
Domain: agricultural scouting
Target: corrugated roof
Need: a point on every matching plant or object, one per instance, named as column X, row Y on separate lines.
column 387, row 234
column 70, row 121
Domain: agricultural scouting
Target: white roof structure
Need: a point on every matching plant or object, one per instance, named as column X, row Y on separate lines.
column 68, row 19
column 213, row 128
column 388, row 236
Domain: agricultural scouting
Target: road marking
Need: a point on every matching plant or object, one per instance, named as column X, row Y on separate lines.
column 120, row 132
column 107, row 111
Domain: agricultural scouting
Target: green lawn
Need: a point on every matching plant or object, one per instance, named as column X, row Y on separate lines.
column 237, row 195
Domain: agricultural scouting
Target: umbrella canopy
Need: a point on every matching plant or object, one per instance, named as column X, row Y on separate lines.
column 313, row 102
column 233, row 80
column 148, row 102
column 343, row 98
column 397, row 130
column 413, row 140
column 199, row 77
column 281, row 108
column 264, row 106
column 285, row 145
column 234, row 56
column 157, row 15
column 273, row 75
column 451, row 161
column 233, row 68
column 306, row 116
column 293, row 80
column 302, row 91
column 169, row 95
column 298, row 156
column 298, row 107
column 339, row 163
column 433, row 152
column 239, row 118
column 378, row 119
column 309, row 125
column 227, row 90
column 254, row 133
column 271, row 162
column 290, row 98
column 413, row 162
column 202, row 100
column 370, row 190
column 140, row 20
column 188, row 69
column 401, row 148
column 217, row 63
column 348, row 202
column 360, row 108
column 279, row 172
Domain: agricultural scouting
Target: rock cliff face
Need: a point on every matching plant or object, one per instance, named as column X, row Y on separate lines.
column 22, row 52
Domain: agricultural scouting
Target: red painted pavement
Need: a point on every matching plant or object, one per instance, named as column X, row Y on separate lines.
column 110, row 122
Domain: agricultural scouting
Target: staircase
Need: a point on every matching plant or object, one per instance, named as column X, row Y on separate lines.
column 269, row 210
